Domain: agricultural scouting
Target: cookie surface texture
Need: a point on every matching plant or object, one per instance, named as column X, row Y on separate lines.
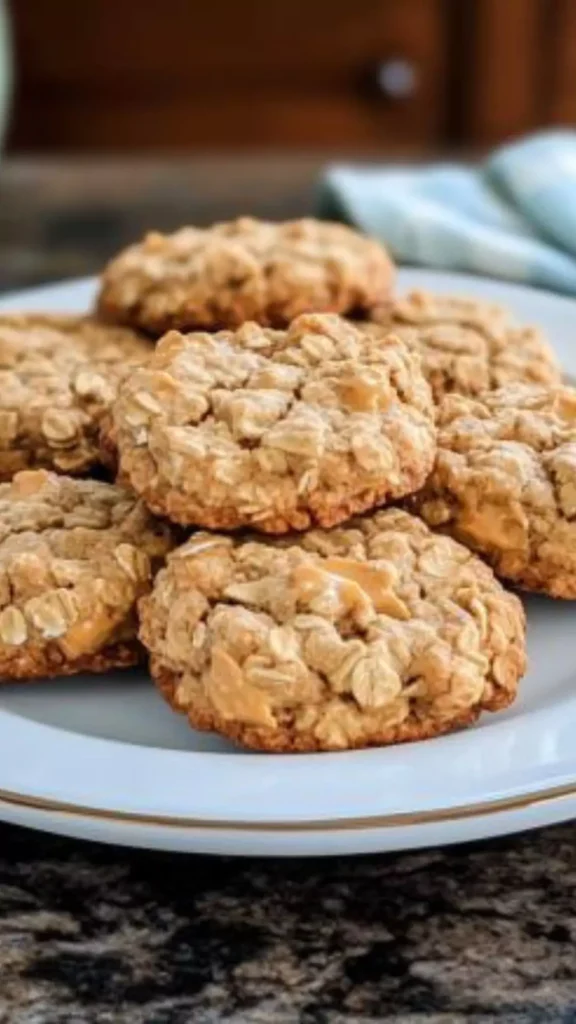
column 58, row 377
column 469, row 346
column 75, row 555
column 278, row 430
column 221, row 276
column 504, row 482
column 379, row 632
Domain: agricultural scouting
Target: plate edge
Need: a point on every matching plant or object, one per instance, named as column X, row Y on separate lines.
column 402, row 819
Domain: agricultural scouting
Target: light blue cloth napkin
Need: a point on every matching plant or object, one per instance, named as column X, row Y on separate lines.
column 514, row 217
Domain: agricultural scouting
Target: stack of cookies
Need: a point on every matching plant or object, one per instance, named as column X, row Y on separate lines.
column 316, row 482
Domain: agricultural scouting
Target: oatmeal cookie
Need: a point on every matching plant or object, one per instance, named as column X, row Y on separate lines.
column 504, row 483
column 378, row 632
column 75, row 555
column 275, row 429
column 246, row 269
column 469, row 346
column 58, row 377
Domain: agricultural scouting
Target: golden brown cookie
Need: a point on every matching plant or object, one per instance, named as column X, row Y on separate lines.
column 58, row 377
column 378, row 632
column 246, row 269
column 469, row 346
column 504, row 483
column 75, row 555
column 275, row 429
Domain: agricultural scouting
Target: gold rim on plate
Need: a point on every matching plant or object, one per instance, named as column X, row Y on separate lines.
column 402, row 819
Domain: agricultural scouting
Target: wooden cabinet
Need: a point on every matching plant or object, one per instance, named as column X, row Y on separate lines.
column 521, row 58
column 161, row 73
column 425, row 75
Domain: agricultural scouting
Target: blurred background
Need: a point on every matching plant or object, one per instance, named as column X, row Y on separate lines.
column 128, row 114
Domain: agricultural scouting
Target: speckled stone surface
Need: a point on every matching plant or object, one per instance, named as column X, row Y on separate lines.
column 479, row 933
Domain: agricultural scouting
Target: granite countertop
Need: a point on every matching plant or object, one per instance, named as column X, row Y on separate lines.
column 96, row 935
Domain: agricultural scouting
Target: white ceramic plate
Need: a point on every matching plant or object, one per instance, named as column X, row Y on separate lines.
column 104, row 758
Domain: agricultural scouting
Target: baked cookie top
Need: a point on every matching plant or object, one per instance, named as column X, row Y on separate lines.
column 74, row 557
column 245, row 269
column 378, row 632
column 275, row 429
column 58, row 376
column 504, row 482
column 468, row 346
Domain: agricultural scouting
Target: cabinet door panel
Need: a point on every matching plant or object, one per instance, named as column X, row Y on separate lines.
column 133, row 74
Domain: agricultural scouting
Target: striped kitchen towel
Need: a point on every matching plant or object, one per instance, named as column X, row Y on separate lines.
column 513, row 217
